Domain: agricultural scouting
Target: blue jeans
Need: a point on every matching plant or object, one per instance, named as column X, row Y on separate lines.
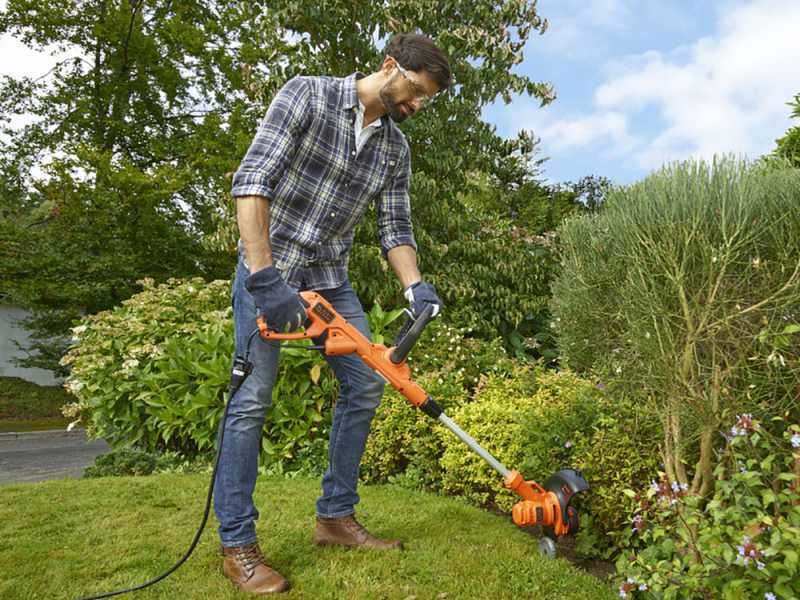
column 360, row 391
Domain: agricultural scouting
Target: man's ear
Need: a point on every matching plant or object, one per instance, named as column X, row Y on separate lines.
column 387, row 66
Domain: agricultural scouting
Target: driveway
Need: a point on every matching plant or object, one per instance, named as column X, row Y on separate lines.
column 41, row 455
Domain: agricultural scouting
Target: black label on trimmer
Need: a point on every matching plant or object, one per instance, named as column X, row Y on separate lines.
column 323, row 312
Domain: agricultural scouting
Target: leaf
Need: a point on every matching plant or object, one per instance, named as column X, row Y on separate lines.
column 315, row 373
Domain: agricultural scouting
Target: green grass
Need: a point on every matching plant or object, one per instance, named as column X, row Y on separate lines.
column 64, row 539
column 25, row 406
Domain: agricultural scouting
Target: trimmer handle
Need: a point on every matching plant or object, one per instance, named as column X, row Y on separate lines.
column 409, row 334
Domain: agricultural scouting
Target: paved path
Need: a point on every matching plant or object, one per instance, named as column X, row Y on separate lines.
column 41, row 455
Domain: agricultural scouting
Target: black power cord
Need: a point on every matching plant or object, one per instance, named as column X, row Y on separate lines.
column 239, row 371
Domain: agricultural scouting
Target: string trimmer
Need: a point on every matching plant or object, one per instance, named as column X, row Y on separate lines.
column 547, row 506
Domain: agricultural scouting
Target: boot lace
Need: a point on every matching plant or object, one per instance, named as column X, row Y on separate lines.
column 356, row 527
column 250, row 557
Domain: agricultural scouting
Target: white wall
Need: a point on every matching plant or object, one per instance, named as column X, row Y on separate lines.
column 9, row 330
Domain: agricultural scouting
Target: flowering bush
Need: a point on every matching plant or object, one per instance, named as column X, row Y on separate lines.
column 134, row 369
column 742, row 543
column 153, row 374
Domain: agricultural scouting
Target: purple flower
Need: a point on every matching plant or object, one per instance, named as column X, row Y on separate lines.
column 769, row 596
column 796, row 440
column 744, row 424
column 568, row 444
column 748, row 552
column 601, row 386
column 638, row 524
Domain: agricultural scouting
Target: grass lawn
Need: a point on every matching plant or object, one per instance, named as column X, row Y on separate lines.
column 64, row 539
column 25, row 406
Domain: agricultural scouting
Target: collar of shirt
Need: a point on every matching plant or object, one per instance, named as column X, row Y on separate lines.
column 348, row 98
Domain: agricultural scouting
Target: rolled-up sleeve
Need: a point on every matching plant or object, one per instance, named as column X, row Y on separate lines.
column 276, row 141
column 394, row 209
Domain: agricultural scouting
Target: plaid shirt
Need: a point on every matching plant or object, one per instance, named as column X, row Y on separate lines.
column 304, row 160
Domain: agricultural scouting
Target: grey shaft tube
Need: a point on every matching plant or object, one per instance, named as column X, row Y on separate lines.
column 476, row 447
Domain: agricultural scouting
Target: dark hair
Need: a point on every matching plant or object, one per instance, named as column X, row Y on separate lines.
column 418, row 53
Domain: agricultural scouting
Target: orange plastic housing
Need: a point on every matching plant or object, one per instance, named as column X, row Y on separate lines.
column 538, row 506
column 344, row 338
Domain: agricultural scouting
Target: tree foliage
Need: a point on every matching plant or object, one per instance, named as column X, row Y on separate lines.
column 131, row 138
column 789, row 144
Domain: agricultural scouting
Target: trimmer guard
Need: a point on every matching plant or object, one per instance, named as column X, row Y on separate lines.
column 565, row 484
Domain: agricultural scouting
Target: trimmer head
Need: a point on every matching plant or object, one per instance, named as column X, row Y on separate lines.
column 565, row 484
column 548, row 506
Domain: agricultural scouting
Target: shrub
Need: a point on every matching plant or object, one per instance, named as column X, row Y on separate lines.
column 133, row 368
column 20, row 399
column 539, row 421
column 681, row 286
column 127, row 461
column 619, row 451
column 403, row 445
column 153, row 372
column 495, row 419
column 450, row 351
column 743, row 543
column 122, row 462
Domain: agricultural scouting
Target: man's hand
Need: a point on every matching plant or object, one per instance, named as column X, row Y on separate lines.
column 420, row 294
column 279, row 304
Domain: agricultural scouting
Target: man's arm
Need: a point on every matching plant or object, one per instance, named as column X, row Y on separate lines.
column 403, row 260
column 252, row 214
column 275, row 143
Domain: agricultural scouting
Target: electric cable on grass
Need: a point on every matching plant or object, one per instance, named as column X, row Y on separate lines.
column 239, row 372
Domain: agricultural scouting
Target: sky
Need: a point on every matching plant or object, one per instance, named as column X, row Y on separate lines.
column 638, row 82
column 645, row 82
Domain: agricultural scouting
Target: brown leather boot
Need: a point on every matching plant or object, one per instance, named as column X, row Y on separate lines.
column 346, row 531
column 244, row 566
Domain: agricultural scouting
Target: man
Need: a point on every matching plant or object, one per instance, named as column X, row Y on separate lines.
column 325, row 150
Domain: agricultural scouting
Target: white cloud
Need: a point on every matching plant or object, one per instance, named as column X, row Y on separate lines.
column 582, row 131
column 725, row 93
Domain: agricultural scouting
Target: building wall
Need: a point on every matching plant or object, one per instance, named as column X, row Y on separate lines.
column 9, row 331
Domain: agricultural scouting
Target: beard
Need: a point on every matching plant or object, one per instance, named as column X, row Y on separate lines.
column 387, row 95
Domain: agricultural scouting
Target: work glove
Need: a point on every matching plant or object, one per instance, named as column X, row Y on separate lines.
column 279, row 304
column 420, row 294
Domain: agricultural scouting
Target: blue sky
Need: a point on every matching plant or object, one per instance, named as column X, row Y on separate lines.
column 640, row 83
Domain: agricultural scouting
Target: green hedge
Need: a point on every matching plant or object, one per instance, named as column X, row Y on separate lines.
column 20, row 399
column 534, row 420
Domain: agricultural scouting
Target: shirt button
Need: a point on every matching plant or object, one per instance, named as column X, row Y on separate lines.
column 353, row 153
column 333, row 214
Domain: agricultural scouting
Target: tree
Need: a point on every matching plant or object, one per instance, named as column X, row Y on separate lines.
column 789, row 144
column 167, row 96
